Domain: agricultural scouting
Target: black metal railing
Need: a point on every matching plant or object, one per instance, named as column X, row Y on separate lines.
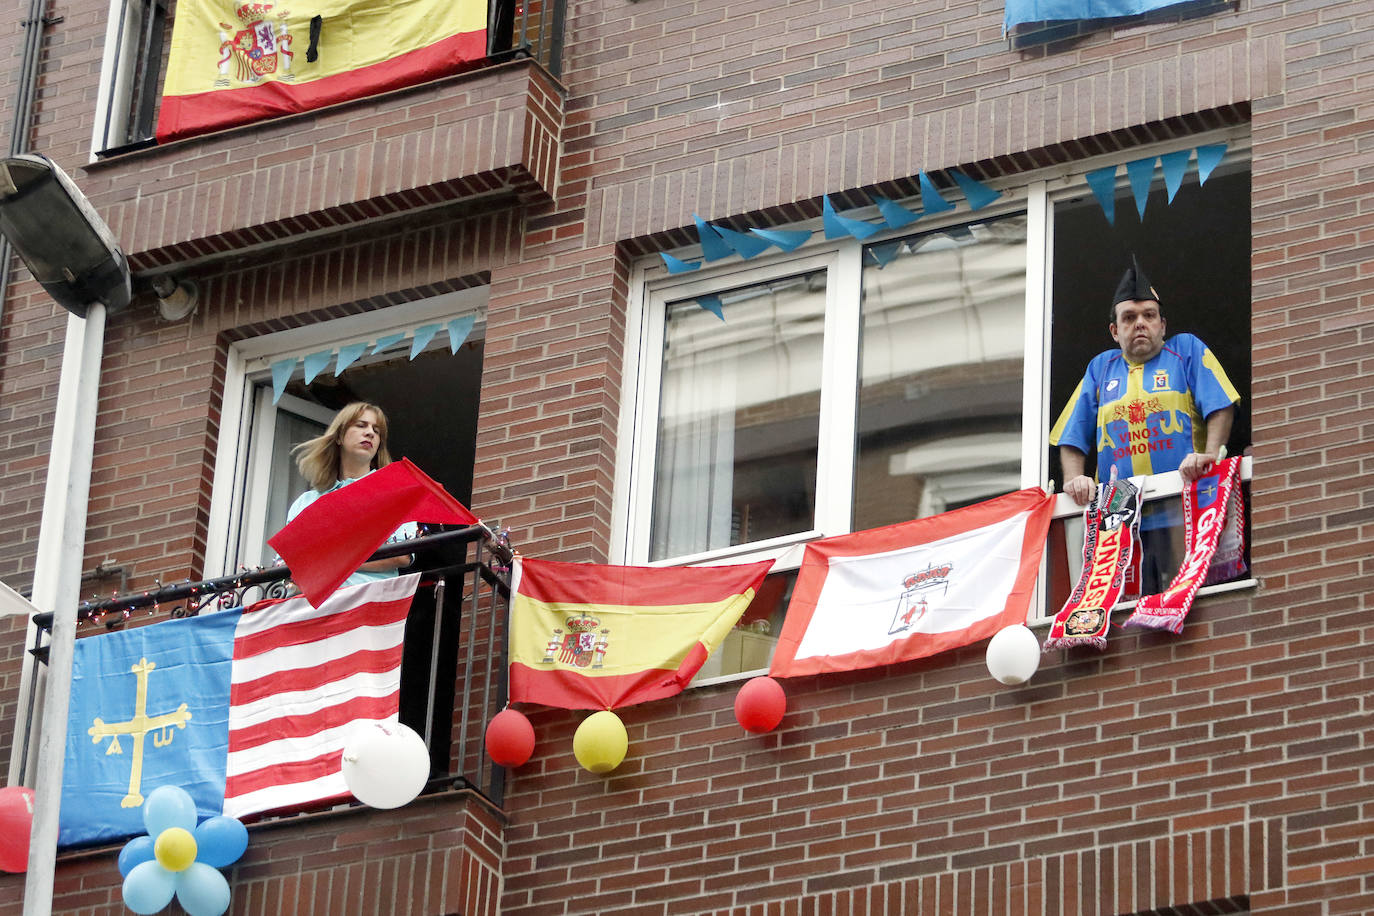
column 453, row 670
column 143, row 33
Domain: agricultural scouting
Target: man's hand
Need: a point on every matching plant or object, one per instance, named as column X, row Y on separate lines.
column 1081, row 489
column 1195, row 465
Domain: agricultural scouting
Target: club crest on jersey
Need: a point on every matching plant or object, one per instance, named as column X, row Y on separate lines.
column 920, row 589
column 1161, row 381
column 581, row 647
column 258, row 46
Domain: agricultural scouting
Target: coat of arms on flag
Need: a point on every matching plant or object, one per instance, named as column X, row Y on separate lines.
column 247, row 710
column 913, row 589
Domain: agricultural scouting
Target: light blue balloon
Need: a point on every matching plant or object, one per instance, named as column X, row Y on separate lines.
column 148, row 888
column 202, row 891
column 135, row 852
column 220, row 841
column 168, row 806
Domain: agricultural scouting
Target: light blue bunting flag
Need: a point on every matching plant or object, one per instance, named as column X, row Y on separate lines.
column 281, row 374
column 894, row 214
column 1208, row 158
column 785, row 239
column 931, row 201
column 712, row 304
column 315, row 363
column 423, row 335
column 458, row 331
column 348, row 355
column 1175, row 165
column 1103, row 184
column 1140, row 173
column 389, row 340
column 746, row 246
column 713, row 247
column 978, row 194
column 885, row 253
column 675, row 266
column 837, row 226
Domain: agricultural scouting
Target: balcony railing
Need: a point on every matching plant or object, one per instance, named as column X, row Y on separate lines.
column 139, row 39
column 453, row 672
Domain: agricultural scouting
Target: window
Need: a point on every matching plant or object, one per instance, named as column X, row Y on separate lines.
column 137, row 33
column 849, row 385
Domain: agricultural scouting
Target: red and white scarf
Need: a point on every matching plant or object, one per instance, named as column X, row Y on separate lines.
column 1110, row 524
column 1213, row 509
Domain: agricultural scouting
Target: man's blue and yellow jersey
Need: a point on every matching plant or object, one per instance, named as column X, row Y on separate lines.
column 1145, row 419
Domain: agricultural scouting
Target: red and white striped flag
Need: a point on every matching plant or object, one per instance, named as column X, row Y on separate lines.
column 303, row 680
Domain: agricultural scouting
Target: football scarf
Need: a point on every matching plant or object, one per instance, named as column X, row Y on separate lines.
column 1212, row 511
column 1110, row 523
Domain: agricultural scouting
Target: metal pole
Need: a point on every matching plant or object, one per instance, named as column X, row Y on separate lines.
column 62, row 537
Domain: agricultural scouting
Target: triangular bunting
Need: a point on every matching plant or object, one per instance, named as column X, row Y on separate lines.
column 746, row 246
column 1208, row 158
column 976, row 193
column 315, row 363
column 1140, row 173
column 423, row 335
column 458, row 331
column 348, row 355
column 713, row 247
column 837, row 226
column 713, row 305
column 894, row 213
column 676, row 266
column 389, row 340
column 786, row 239
column 1103, row 184
column 281, row 374
column 1175, row 165
column 885, row 253
column 931, row 201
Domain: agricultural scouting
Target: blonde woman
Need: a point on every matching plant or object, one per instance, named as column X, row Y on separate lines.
column 353, row 446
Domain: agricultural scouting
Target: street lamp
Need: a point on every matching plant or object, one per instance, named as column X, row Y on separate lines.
column 69, row 249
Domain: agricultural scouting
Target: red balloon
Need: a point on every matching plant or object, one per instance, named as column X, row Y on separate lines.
column 510, row 738
column 16, row 822
column 760, row 705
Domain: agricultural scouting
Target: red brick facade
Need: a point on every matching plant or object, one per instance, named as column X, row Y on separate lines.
column 1225, row 770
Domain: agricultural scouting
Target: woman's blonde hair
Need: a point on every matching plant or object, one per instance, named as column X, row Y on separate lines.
column 318, row 458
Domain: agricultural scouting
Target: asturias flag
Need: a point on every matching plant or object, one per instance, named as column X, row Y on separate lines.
column 236, row 62
column 584, row 636
column 1019, row 11
column 909, row 590
column 247, row 710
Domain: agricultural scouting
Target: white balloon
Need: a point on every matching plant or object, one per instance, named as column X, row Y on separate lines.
column 1013, row 655
column 385, row 766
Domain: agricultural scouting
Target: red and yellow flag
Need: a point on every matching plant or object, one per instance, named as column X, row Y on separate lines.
column 236, row 62
column 599, row 637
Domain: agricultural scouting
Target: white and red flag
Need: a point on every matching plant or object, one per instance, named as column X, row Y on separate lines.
column 914, row 589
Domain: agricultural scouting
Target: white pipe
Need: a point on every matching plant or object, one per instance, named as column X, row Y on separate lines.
column 57, row 582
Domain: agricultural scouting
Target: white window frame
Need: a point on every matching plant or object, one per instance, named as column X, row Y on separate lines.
column 114, row 83
column 249, row 362
column 652, row 288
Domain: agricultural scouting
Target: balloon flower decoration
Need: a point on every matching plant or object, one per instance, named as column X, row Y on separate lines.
column 760, row 705
column 600, row 742
column 180, row 857
column 16, row 823
column 1013, row 655
column 510, row 738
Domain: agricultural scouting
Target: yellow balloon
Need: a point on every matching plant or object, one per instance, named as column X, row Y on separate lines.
column 175, row 849
column 600, row 742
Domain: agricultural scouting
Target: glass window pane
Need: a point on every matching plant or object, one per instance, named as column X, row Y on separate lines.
column 941, row 365
column 739, row 417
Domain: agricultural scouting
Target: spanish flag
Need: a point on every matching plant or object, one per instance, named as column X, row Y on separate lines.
column 599, row 637
column 236, row 62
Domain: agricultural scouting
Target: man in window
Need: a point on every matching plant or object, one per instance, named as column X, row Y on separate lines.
column 1149, row 407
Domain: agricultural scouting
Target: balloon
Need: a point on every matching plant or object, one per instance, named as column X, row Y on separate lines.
column 760, row 705
column 16, row 823
column 148, row 888
column 168, row 806
column 385, row 766
column 175, row 849
column 510, row 738
column 1013, row 655
column 221, row 841
column 135, row 852
column 600, row 742
column 202, row 891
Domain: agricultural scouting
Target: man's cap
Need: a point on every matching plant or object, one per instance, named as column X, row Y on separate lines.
column 1134, row 285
